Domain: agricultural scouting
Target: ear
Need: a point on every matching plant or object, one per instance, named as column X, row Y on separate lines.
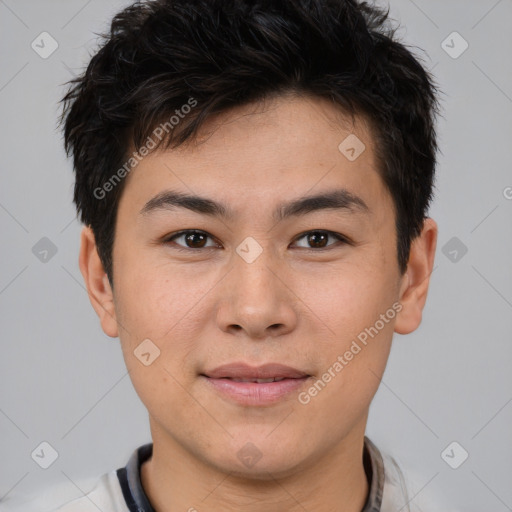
column 415, row 281
column 97, row 283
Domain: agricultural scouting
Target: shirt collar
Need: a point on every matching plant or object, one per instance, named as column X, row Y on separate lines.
column 374, row 468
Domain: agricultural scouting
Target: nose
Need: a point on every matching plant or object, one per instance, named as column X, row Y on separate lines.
column 255, row 299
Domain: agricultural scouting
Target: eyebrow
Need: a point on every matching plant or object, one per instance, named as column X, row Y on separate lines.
column 339, row 199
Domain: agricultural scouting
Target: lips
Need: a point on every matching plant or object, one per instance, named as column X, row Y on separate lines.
column 259, row 381
column 242, row 372
column 255, row 386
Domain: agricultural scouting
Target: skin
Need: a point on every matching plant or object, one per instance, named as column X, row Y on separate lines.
column 296, row 304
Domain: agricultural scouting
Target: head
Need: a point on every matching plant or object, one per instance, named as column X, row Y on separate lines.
column 296, row 138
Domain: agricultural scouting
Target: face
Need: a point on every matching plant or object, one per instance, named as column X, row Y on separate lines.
column 263, row 276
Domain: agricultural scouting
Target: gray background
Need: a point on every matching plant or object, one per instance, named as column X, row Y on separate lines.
column 63, row 381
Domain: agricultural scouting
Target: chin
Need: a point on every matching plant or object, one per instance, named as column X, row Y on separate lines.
column 260, row 459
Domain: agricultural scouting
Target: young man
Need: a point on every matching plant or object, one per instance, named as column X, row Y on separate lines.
column 254, row 178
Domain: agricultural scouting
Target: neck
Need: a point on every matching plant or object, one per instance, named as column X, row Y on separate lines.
column 174, row 479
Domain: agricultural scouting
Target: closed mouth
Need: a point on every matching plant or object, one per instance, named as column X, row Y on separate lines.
column 259, row 381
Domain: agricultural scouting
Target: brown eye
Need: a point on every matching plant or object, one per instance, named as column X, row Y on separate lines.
column 195, row 240
column 319, row 239
column 191, row 240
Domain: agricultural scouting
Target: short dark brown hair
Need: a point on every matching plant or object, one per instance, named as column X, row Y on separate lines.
column 225, row 53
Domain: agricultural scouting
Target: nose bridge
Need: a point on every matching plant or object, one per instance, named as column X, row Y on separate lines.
column 252, row 275
column 253, row 297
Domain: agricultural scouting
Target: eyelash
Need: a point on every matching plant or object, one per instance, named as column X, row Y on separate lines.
column 338, row 236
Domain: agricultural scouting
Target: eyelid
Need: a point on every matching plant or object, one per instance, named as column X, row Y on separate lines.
column 338, row 236
column 172, row 236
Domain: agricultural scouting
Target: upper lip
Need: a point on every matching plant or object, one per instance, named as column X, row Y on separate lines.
column 240, row 370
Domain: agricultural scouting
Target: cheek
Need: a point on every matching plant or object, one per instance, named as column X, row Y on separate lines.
column 350, row 374
column 161, row 389
column 155, row 300
column 167, row 307
column 360, row 309
column 349, row 300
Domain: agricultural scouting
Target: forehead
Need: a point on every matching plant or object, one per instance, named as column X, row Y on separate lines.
column 279, row 148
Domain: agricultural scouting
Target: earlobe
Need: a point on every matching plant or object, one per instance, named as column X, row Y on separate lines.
column 416, row 280
column 97, row 283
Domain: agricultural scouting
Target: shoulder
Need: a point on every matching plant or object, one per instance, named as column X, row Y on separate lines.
column 406, row 492
column 89, row 494
column 396, row 494
column 106, row 495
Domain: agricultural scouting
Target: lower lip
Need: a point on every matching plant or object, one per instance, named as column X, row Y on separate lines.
column 254, row 393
